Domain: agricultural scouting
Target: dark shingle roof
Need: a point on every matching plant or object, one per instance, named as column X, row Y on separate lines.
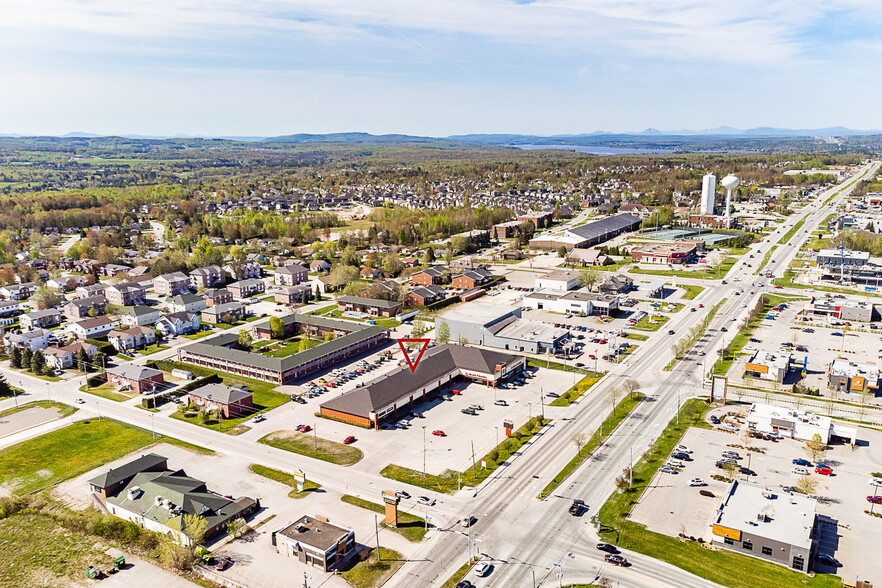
column 127, row 470
column 606, row 225
column 375, row 302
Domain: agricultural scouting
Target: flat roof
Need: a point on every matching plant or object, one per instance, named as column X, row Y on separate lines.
column 778, row 360
column 788, row 518
column 318, row 534
column 787, row 414
column 604, row 226
column 665, row 248
column 561, row 275
column 529, row 330
column 542, row 295
column 478, row 312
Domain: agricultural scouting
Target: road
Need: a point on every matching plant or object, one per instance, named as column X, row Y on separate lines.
column 523, row 536
column 158, row 230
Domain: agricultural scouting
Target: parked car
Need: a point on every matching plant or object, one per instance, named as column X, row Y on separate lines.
column 802, row 462
column 874, row 499
column 223, row 563
column 258, row 418
column 714, row 420
column 675, row 464
column 666, row 469
column 729, row 453
column 500, row 403
column 824, row 471
column 697, row 482
column 800, row 471
column 875, row 482
column 607, row 548
column 681, row 455
column 439, row 433
column 682, row 449
column 827, row 559
column 746, row 471
column 349, row 440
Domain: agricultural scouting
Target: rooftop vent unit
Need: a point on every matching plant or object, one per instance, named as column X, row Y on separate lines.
column 157, row 500
column 134, row 492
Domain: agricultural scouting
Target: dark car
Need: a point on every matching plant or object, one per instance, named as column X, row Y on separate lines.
column 670, row 332
column 802, row 462
column 681, row 455
column 827, row 559
column 607, row 548
column 553, row 395
column 746, row 471
column 617, row 560
column 724, row 329
column 715, row 420
column 464, row 584
column 576, row 507
column 468, row 411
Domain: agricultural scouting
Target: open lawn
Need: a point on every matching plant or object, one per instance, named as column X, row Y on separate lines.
column 714, row 273
column 288, row 347
column 67, row 453
column 286, row 479
column 107, row 391
column 410, row 527
column 644, row 324
column 312, row 446
column 199, row 335
column 65, row 410
column 373, row 571
column 458, row 575
column 151, row 349
column 571, row 395
column 691, row 291
column 723, row 566
column 449, row 481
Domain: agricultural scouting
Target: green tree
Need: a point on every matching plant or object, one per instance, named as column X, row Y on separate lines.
column 350, row 256
column 318, row 293
column 588, row 278
column 277, row 327
column 443, row 333
column 99, row 359
column 304, row 344
column 82, row 360
column 245, row 339
column 816, row 449
column 26, row 356
column 562, row 251
column 38, row 362
column 428, row 256
column 47, row 298
column 526, row 230
column 15, row 358
column 343, row 275
column 5, row 388
column 393, row 265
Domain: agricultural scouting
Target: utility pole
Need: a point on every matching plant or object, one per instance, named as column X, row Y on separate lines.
column 424, row 454
column 377, row 531
column 631, row 468
column 153, row 426
column 542, row 402
column 99, row 410
column 315, row 439
column 474, row 467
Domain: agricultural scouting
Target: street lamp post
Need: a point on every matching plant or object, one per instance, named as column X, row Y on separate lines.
column 424, row 454
column 153, row 426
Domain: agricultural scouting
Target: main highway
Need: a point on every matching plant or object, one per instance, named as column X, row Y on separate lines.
column 529, row 541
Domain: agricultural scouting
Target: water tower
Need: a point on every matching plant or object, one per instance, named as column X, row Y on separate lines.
column 729, row 182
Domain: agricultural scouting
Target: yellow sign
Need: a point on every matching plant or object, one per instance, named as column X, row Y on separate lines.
column 857, row 383
column 752, row 367
column 733, row 534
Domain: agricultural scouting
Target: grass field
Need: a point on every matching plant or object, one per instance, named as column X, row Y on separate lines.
column 151, row 349
column 107, row 391
column 199, row 335
column 64, row 408
column 458, row 575
column 636, row 336
column 766, row 258
column 613, row 420
column 374, row 571
column 723, row 567
column 574, row 393
column 644, row 324
column 450, row 481
column 691, row 291
column 262, row 400
column 715, row 273
column 315, row 447
column 411, row 527
column 789, row 234
column 67, row 453
column 287, row 479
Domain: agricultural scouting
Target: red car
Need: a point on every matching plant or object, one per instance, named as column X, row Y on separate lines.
column 222, row 564
column 779, row 287
column 591, row 357
column 701, row 306
column 824, row 471
column 305, row 429
column 874, row 499
column 348, row 440
column 439, row 433
column 602, row 342
column 455, row 392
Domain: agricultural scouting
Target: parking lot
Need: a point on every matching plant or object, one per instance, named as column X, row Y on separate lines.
column 671, row 506
column 405, row 446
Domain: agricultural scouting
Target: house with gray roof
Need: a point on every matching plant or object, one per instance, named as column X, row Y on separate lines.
column 230, row 400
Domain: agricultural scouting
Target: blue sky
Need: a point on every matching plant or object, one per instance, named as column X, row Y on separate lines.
column 272, row 67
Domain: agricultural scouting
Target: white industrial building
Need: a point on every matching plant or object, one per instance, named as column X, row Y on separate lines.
column 796, row 424
column 558, row 280
column 708, row 192
column 575, row 302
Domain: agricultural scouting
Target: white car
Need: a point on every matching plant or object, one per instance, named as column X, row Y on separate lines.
column 730, row 453
column 729, row 427
column 482, row 569
column 682, row 449
column 258, row 419
column 425, row 501
column 697, row 482
column 666, row 469
column 674, row 463
column 80, row 401
column 875, row 482
column 800, row 471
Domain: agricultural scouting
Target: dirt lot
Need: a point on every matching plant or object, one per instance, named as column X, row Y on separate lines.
column 670, row 506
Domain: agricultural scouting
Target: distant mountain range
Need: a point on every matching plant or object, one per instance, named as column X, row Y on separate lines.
column 680, row 135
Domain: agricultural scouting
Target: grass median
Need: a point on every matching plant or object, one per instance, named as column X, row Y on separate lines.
column 615, row 418
column 721, row 566
column 715, row 273
column 312, row 446
column 285, row 478
column 573, row 394
column 450, row 481
column 411, row 527
column 691, row 291
column 373, row 571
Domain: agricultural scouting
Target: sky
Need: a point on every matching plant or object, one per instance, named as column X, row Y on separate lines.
column 437, row 67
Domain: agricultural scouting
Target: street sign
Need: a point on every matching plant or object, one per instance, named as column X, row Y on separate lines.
column 718, row 390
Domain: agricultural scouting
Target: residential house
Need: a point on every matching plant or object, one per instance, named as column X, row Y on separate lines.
column 427, row 277
column 616, row 284
column 18, row 291
column 137, row 378
column 33, row 340
column 290, row 275
column 40, row 319
column 324, row 284
column 9, row 307
column 139, row 315
column 246, row 288
column 96, row 289
column 126, row 294
column 370, row 306
column 91, row 327
column 247, row 270
column 145, row 492
column 425, row 295
column 79, row 308
column 471, row 279
column 62, row 358
column 131, row 338
column 207, row 277
column 179, row 323
column 218, row 296
column 319, row 265
column 113, row 269
column 171, row 284
column 587, row 257
column 64, row 283
column 293, row 294
column 214, row 314
column 231, row 401
column 187, row 303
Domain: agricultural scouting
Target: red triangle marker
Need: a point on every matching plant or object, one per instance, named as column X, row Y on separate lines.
column 413, row 365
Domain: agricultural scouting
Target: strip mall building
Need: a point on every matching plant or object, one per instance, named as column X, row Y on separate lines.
column 398, row 393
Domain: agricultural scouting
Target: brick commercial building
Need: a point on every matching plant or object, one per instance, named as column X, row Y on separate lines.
column 675, row 252
column 316, row 542
column 507, row 230
column 349, row 339
column 371, row 306
column 398, row 393
column 540, row 220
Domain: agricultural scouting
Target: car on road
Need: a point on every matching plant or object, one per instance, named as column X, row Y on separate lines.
column 875, row 482
column 670, row 331
column 483, row 569
column 778, row 287
column 607, row 548
column 874, row 499
column 439, row 433
column 666, row 469
column 464, row 584
column 802, row 462
column 425, row 501
column 470, row 411
column 403, row 494
column 476, row 407
column 258, row 418
column 80, row 401
column 553, row 395
column 724, row 329
column 577, row 507
column 468, row 521
column 824, row 471
column 223, row 563
column 349, row 440
column 801, row 471
column 500, row 403
column 617, row 560
column 697, row 482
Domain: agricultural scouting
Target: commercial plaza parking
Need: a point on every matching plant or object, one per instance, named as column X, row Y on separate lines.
column 671, row 506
